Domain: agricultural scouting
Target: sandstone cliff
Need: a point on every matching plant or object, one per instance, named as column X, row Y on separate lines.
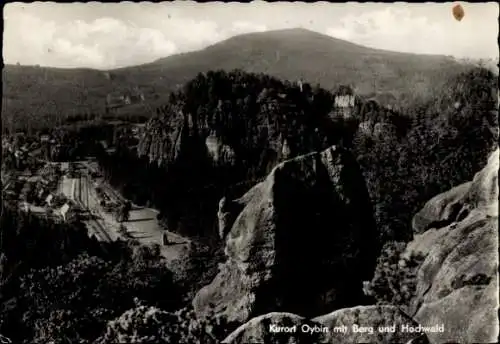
column 457, row 284
column 326, row 328
column 302, row 241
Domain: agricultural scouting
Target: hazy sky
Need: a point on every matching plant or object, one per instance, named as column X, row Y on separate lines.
column 114, row 35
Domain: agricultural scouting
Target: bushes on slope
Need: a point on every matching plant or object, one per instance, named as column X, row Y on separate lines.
column 394, row 280
column 151, row 325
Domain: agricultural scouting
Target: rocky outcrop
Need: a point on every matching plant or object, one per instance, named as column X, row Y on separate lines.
column 455, row 204
column 457, row 284
column 382, row 324
column 483, row 193
column 161, row 140
column 363, row 324
column 441, row 210
column 220, row 153
column 227, row 213
column 302, row 241
column 174, row 134
column 273, row 328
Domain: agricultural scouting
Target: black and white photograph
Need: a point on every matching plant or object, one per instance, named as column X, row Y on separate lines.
column 245, row 173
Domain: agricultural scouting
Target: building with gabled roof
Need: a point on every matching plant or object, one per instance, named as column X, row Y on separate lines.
column 345, row 102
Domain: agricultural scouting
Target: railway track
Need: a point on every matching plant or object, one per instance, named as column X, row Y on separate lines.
column 107, row 188
column 97, row 228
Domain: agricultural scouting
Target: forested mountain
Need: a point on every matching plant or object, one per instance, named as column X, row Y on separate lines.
column 299, row 53
column 395, row 78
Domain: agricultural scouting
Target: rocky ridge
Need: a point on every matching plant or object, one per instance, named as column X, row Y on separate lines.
column 311, row 211
column 457, row 284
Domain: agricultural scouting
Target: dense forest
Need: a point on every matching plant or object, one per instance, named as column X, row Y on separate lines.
column 449, row 140
column 407, row 156
column 60, row 285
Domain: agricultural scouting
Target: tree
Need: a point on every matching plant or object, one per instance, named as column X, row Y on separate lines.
column 395, row 277
column 73, row 302
column 150, row 325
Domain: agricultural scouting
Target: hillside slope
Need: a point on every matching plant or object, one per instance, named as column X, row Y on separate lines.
column 457, row 283
column 41, row 92
column 299, row 53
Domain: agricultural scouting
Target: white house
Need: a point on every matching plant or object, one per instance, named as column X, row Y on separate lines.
column 344, row 101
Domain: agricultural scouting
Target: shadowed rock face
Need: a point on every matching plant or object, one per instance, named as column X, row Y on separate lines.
column 455, row 204
column 457, row 284
column 165, row 140
column 302, row 241
column 326, row 328
column 441, row 210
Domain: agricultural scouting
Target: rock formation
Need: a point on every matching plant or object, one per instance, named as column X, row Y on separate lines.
column 228, row 211
column 161, row 140
column 335, row 328
column 440, row 210
column 457, row 284
column 261, row 330
column 302, row 241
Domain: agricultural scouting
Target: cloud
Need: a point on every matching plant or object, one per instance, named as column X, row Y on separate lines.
column 190, row 33
column 102, row 43
column 240, row 27
column 108, row 42
column 89, row 38
column 399, row 30
column 25, row 45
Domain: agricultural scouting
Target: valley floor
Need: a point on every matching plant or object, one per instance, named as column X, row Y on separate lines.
column 142, row 224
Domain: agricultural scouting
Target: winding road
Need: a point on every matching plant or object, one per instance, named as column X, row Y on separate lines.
column 92, row 221
column 78, row 189
column 142, row 225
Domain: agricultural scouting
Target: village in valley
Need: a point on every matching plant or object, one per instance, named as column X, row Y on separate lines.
column 75, row 191
column 72, row 188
